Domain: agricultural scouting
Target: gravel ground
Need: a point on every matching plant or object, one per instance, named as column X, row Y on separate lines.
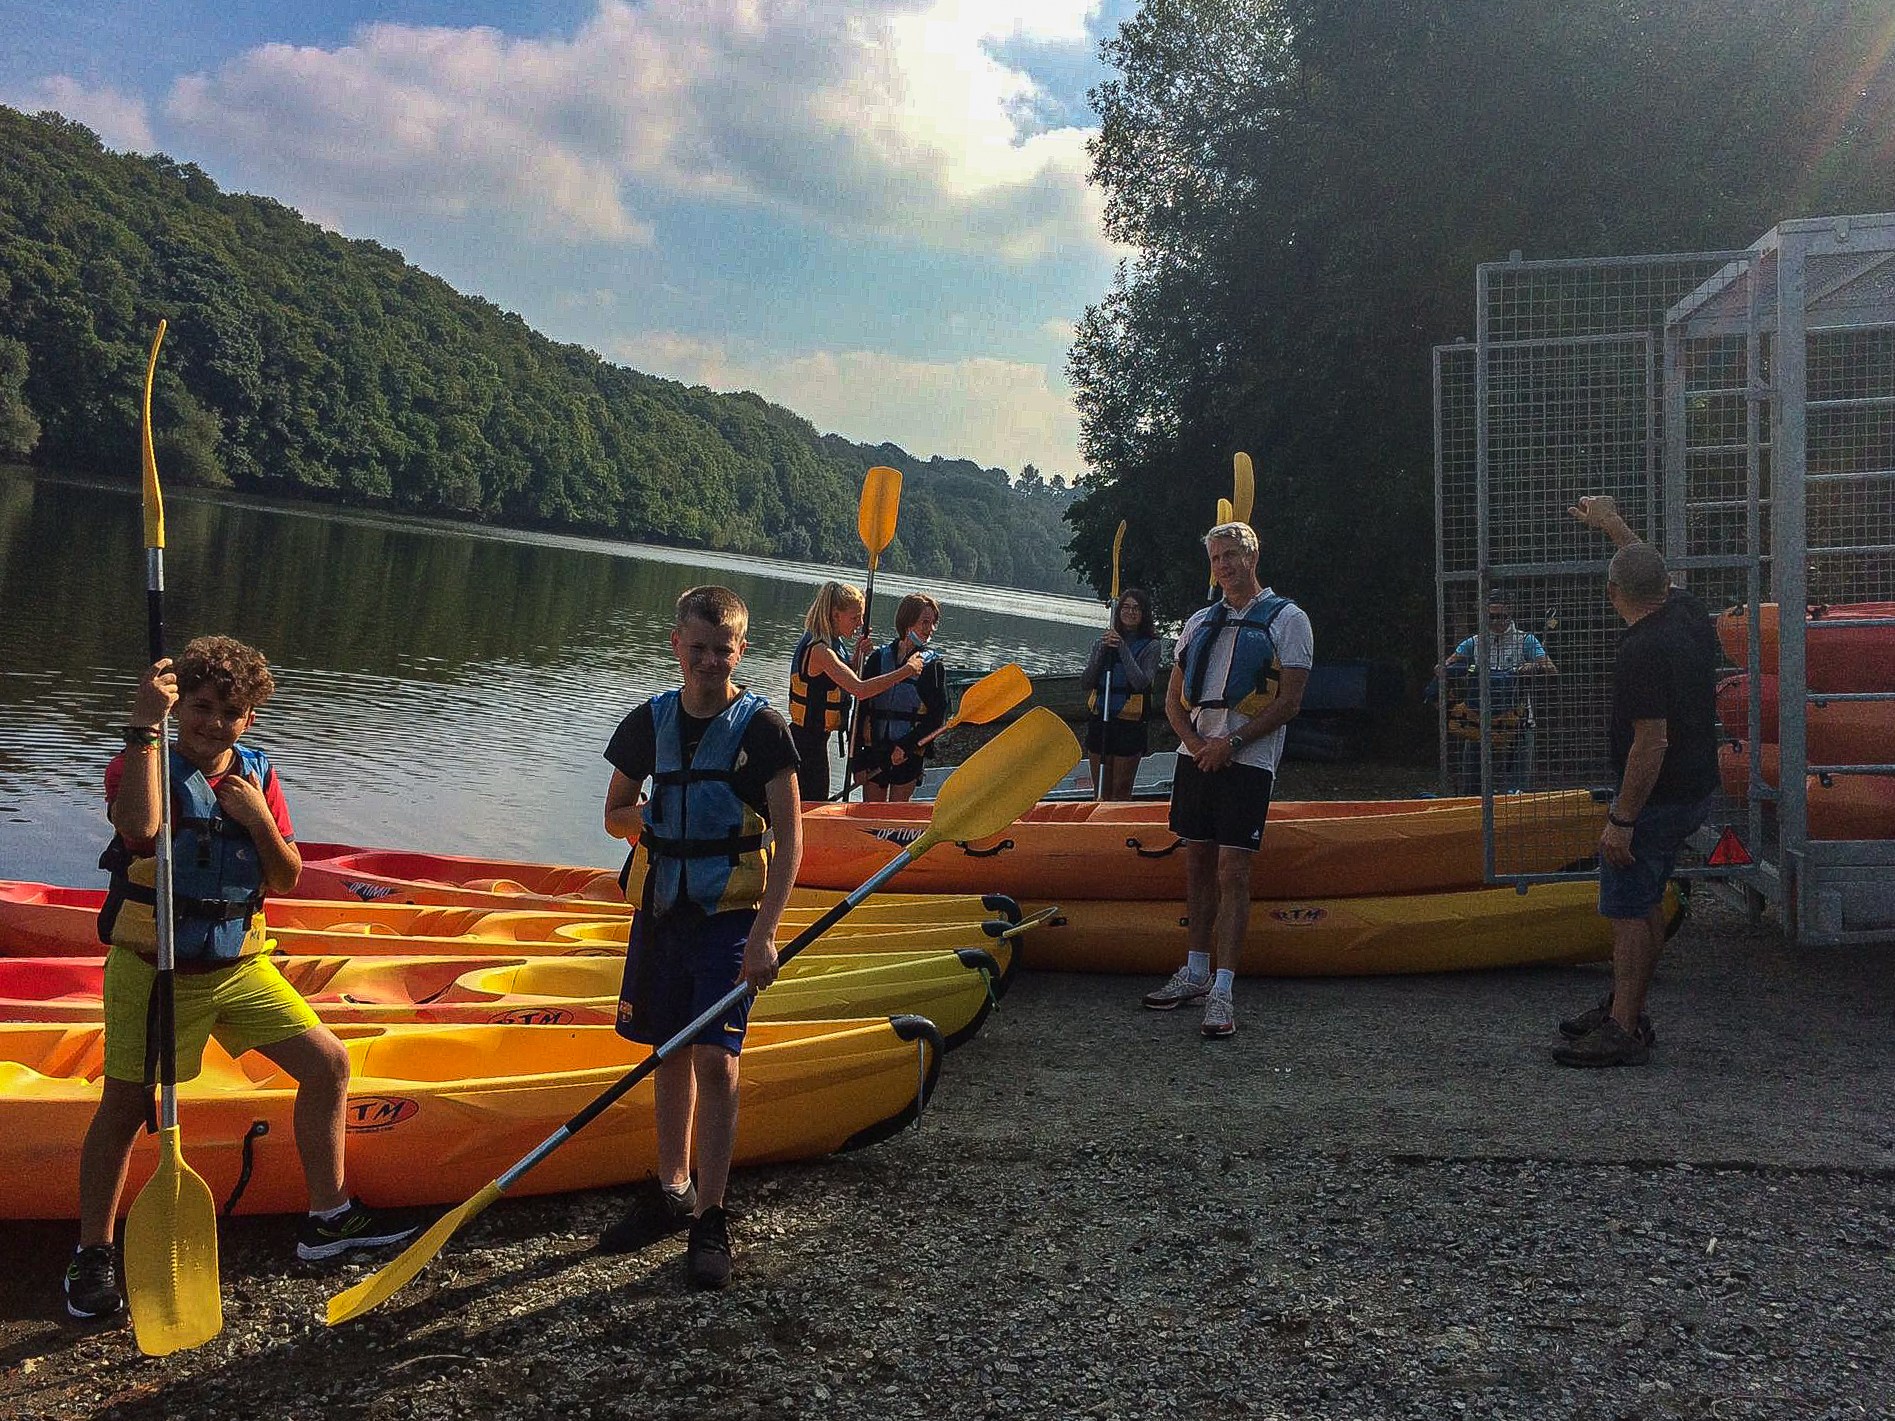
column 1380, row 1199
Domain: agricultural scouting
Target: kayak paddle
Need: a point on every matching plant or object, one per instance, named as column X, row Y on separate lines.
column 171, row 1232
column 989, row 698
column 994, row 786
column 1244, row 492
column 1105, row 691
column 875, row 517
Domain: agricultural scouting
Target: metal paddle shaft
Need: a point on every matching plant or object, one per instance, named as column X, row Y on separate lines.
column 994, row 786
column 1105, row 690
column 171, row 1275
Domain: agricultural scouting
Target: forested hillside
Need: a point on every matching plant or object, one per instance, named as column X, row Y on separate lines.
column 1309, row 185
column 303, row 364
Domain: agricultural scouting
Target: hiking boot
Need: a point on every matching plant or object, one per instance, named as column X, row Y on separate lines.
column 92, row 1283
column 1220, row 1015
column 1588, row 1021
column 707, row 1256
column 1181, row 988
column 1607, row 1044
column 358, row 1227
column 654, row 1214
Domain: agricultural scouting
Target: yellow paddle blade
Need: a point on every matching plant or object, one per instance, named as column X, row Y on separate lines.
column 1001, row 781
column 1244, row 491
column 1225, row 513
column 154, row 501
column 1118, row 541
column 993, row 695
column 881, row 504
column 171, row 1257
column 379, row 1286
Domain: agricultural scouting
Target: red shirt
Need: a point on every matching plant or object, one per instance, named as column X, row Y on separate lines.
column 272, row 796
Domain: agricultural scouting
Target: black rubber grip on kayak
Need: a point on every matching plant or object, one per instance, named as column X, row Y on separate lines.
column 1000, row 903
column 908, row 1028
column 999, row 848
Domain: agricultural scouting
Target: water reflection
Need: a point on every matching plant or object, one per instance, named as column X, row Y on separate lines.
column 437, row 686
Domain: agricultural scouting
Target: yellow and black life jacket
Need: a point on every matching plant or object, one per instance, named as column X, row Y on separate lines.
column 1122, row 702
column 816, row 702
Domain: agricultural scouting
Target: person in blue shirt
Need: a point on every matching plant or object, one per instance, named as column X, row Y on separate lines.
column 1512, row 655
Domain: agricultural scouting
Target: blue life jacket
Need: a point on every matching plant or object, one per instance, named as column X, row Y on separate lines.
column 216, row 875
column 1255, row 670
column 816, row 702
column 1122, row 703
column 893, row 713
column 702, row 844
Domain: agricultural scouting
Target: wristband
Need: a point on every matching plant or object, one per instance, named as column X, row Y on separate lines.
column 140, row 734
column 1618, row 823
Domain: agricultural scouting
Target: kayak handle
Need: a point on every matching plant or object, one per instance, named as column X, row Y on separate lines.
column 1146, row 853
column 999, row 848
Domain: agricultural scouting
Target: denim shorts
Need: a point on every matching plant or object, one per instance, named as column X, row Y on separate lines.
column 677, row 967
column 1658, row 834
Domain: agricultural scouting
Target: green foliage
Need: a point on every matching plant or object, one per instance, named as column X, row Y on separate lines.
column 1309, row 184
column 302, row 364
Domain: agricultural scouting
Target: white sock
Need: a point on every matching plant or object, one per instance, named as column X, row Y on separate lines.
column 1226, row 980
column 1197, row 965
column 330, row 1215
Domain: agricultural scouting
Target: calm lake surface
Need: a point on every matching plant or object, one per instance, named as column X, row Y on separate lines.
column 438, row 686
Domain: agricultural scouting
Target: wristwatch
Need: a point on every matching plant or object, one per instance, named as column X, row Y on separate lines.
column 1236, row 741
column 1618, row 823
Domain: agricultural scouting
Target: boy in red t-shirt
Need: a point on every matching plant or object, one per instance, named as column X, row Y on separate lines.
column 232, row 842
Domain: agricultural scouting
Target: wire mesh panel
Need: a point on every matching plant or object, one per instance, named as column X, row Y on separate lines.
column 1570, row 401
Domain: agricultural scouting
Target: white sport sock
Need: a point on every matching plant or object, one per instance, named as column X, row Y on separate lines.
column 1197, row 965
column 330, row 1215
column 1226, row 980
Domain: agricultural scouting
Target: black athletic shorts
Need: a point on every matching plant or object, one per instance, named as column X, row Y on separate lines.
column 1226, row 807
column 1122, row 738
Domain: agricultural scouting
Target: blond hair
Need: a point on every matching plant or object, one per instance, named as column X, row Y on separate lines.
column 718, row 606
column 820, row 620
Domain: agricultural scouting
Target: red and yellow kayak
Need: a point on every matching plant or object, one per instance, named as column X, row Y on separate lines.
column 436, row 1112
column 1117, row 851
column 952, row 989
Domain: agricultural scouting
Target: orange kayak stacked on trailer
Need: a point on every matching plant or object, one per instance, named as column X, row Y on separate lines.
column 1838, row 732
column 1059, row 852
column 1840, row 652
column 437, row 1112
column 1847, row 807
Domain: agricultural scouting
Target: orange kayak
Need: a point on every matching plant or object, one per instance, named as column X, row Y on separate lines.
column 1117, row 851
column 1347, row 937
column 1839, row 732
column 1847, row 807
column 436, row 1112
column 1839, row 653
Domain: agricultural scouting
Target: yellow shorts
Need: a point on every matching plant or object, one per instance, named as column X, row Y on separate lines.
column 245, row 1005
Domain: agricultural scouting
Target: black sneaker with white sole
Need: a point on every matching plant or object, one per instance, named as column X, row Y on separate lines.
column 92, row 1283
column 356, row 1227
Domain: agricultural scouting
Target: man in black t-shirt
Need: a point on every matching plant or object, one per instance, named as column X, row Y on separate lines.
column 1663, row 742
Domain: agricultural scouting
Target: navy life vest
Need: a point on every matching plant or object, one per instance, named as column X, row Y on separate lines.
column 216, row 875
column 815, row 701
column 893, row 713
column 1123, row 703
column 1255, row 669
column 701, row 843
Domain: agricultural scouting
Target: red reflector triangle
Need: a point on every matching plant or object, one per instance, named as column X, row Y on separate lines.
column 1730, row 851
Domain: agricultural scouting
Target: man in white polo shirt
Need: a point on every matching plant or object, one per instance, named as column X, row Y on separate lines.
column 1241, row 666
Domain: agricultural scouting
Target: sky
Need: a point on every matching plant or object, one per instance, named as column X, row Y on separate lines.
column 874, row 213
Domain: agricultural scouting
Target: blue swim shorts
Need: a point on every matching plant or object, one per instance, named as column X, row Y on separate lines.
column 676, row 968
column 1658, row 834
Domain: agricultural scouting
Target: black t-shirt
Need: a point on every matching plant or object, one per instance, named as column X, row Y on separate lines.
column 766, row 752
column 1667, row 670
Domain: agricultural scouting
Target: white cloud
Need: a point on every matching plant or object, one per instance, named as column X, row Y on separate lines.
column 886, row 117
column 998, row 412
column 121, row 120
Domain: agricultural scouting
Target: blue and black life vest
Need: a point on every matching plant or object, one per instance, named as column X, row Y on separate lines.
column 702, row 844
column 216, row 875
column 1255, row 672
column 893, row 713
column 816, row 702
column 1123, row 703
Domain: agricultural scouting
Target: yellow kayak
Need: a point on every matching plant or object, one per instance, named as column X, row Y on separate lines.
column 436, row 1112
column 955, row 990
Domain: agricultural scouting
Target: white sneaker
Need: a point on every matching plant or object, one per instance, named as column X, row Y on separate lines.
column 1220, row 1015
column 1181, row 988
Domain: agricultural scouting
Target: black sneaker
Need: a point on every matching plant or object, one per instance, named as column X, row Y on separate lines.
column 358, row 1227
column 1607, row 1044
column 92, row 1283
column 1589, row 1021
column 707, row 1257
column 656, row 1213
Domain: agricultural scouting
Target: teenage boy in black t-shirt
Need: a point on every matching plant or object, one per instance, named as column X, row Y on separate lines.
column 718, row 840
column 1663, row 741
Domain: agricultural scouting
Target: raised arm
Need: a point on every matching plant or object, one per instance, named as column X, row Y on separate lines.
column 1601, row 511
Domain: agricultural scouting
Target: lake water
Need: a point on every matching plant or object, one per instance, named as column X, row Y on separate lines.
column 438, row 686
